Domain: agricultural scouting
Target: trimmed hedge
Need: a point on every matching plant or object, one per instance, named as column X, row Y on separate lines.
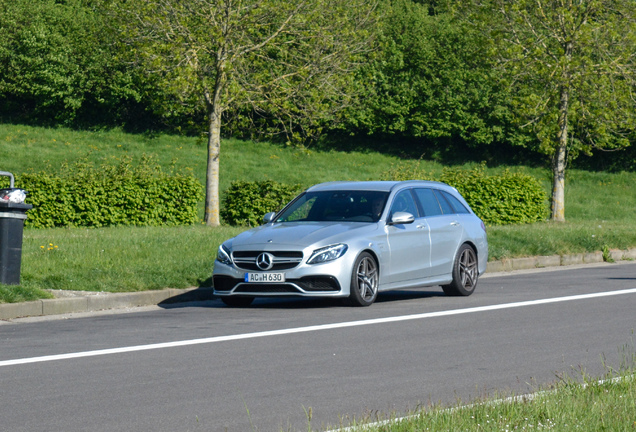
column 503, row 199
column 246, row 203
column 86, row 196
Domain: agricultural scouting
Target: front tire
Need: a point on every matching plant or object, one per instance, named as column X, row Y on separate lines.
column 237, row 301
column 364, row 281
column 465, row 273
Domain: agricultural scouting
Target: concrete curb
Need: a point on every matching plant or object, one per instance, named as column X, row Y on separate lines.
column 506, row 265
column 103, row 301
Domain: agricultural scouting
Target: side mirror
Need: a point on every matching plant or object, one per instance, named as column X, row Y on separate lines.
column 401, row 218
column 268, row 217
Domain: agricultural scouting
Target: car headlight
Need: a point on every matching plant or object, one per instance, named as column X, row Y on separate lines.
column 328, row 253
column 223, row 255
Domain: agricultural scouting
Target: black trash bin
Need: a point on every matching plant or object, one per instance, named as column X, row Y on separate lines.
column 12, row 217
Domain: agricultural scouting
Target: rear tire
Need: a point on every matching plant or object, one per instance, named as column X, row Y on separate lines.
column 364, row 281
column 237, row 301
column 465, row 273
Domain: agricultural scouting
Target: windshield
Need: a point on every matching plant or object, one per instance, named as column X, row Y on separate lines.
column 350, row 206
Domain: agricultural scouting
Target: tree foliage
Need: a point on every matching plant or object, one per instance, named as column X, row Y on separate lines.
column 540, row 79
column 56, row 65
column 292, row 60
column 431, row 79
column 571, row 67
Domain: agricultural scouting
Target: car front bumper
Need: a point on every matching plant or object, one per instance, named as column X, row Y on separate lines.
column 331, row 279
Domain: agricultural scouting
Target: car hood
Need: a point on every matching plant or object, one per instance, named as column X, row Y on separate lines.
column 299, row 235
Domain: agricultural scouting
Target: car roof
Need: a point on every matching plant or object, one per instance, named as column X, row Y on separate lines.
column 384, row 186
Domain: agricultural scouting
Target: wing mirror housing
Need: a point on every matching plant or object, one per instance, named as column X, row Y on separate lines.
column 401, row 218
column 268, row 217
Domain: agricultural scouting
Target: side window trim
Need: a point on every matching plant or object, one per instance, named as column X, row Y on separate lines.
column 418, row 212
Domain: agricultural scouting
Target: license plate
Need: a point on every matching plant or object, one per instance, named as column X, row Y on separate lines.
column 264, row 277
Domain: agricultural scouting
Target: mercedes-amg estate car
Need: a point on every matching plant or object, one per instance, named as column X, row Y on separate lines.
column 354, row 239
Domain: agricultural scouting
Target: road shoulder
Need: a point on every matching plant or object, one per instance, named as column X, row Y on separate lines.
column 79, row 302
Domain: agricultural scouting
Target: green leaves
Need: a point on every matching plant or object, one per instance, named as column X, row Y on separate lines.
column 572, row 72
column 247, row 202
column 582, row 49
column 503, row 199
column 274, row 66
column 432, row 78
column 59, row 64
column 87, row 196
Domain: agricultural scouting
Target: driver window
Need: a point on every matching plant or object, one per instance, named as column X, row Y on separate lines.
column 403, row 202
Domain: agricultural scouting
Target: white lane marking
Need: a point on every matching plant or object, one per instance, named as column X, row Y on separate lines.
column 321, row 327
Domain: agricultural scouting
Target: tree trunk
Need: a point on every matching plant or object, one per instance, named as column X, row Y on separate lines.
column 558, row 184
column 559, row 161
column 212, row 205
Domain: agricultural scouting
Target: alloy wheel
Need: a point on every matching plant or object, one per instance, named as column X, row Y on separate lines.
column 468, row 269
column 367, row 272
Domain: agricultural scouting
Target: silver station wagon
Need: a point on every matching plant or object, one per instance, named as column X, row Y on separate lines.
column 354, row 239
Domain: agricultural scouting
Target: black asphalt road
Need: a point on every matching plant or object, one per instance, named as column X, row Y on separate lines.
column 232, row 372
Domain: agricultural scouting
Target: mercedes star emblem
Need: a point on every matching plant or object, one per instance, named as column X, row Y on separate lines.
column 265, row 261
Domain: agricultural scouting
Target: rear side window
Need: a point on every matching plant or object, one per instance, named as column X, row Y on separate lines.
column 428, row 202
column 457, row 205
column 446, row 207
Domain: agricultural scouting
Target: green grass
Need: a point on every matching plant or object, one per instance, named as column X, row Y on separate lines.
column 240, row 160
column 599, row 209
column 549, row 238
column 581, row 403
column 591, row 406
column 119, row 259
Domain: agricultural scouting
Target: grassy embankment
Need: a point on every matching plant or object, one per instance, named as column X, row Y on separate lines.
column 599, row 210
column 590, row 406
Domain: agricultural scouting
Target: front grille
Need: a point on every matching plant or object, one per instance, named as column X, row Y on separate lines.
column 283, row 260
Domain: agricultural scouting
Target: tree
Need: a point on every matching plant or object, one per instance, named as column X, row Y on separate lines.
column 431, row 79
column 290, row 59
column 55, row 67
column 571, row 65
